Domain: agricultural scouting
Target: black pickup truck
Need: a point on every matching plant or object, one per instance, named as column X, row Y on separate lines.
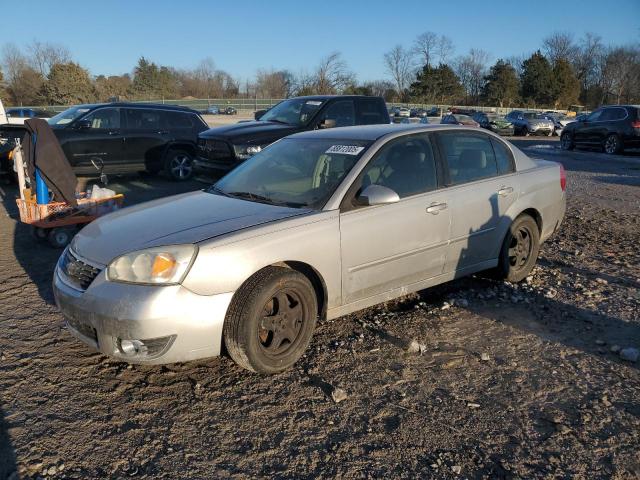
column 227, row 146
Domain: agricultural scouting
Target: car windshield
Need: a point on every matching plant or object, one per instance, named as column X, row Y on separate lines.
column 493, row 117
column 533, row 115
column 67, row 116
column 463, row 118
column 297, row 111
column 295, row 172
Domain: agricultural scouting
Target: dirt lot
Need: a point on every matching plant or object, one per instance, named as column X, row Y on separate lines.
column 515, row 381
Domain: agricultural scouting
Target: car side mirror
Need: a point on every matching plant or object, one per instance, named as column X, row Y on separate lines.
column 258, row 115
column 83, row 124
column 327, row 123
column 377, row 195
column 520, row 117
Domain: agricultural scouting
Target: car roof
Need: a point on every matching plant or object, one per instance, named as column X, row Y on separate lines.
column 153, row 106
column 327, row 97
column 370, row 132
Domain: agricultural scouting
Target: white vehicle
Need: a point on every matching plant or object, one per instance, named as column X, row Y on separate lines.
column 3, row 115
column 17, row 115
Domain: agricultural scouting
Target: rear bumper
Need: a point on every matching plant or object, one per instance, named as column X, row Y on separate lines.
column 109, row 312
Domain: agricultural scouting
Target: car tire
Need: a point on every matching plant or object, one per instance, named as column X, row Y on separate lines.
column 60, row 237
column 178, row 165
column 566, row 142
column 612, row 144
column 272, row 306
column 519, row 250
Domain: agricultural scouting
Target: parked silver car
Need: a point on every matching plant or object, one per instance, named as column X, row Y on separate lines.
column 530, row 123
column 317, row 225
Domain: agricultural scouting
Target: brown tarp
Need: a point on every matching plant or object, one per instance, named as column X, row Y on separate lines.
column 47, row 155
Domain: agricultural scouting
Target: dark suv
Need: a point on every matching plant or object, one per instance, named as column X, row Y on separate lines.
column 227, row 146
column 129, row 137
column 613, row 128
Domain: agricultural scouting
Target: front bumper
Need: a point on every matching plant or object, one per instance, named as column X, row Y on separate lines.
column 205, row 165
column 109, row 312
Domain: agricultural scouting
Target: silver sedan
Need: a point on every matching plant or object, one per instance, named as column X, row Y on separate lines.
column 317, row 225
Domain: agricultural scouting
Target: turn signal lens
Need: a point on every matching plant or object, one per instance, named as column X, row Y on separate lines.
column 164, row 266
column 563, row 178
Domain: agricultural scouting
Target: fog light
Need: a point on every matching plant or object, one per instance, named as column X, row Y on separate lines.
column 132, row 347
column 148, row 348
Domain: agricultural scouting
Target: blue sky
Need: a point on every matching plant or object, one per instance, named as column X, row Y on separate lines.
column 240, row 36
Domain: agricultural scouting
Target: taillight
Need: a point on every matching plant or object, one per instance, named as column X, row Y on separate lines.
column 563, row 178
column 636, row 124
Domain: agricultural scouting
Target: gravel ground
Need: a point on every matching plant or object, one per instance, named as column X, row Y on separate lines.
column 508, row 381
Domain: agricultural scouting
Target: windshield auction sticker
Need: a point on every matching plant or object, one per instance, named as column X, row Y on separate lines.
column 345, row 149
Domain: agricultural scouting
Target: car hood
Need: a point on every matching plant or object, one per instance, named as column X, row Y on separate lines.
column 500, row 123
column 187, row 218
column 251, row 132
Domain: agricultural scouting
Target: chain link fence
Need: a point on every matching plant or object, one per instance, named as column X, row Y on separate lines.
column 247, row 106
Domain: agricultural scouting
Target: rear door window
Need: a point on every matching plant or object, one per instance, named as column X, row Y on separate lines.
column 369, row 112
column 342, row 112
column 140, row 119
column 504, row 157
column 469, row 156
column 178, row 120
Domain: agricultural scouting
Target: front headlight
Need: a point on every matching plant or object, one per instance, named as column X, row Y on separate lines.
column 245, row 151
column 157, row 266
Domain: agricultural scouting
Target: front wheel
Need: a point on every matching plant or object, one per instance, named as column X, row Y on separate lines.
column 612, row 144
column 519, row 250
column 566, row 142
column 179, row 165
column 271, row 320
column 60, row 237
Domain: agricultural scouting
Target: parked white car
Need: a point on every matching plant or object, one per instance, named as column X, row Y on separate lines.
column 317, row 225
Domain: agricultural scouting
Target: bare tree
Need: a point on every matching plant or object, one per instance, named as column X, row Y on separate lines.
column 332, row 75
column 444, row 49
column 559, row 45
column 516, row 62
column 589, row 59
column 621, row 74
column 46, row 55
column 399, row 65
column 471, row 69
column 428, row 47
column 274, row 84
column 23, row 82
column 424, row 46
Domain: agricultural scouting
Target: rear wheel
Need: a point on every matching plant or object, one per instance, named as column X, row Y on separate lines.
column 519, row 249
column 271, row 320
column 178, row 165
column 566, row 142
column 60, row 237
column 612, row 144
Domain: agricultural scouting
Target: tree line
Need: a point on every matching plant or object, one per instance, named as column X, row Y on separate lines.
column 564, row 71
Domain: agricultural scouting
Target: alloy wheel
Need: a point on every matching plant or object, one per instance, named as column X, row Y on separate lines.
column 520, row 247
column 281, row 323
column 181, row 166
column 611, row 144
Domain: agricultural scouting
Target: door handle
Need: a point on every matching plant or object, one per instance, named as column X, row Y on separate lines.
column 504, row 191
column 435, row 208
column 114, row 132
column 163, row 132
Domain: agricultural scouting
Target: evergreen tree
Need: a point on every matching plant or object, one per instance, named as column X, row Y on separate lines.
column 502, row 85
column 538, row 82
column 567, row 85
column 68, row 84
column 437, row 85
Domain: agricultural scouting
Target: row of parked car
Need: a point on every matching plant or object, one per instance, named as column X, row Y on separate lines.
column 130, row 137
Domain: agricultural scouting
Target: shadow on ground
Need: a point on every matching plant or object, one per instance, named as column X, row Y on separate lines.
column 38, row 258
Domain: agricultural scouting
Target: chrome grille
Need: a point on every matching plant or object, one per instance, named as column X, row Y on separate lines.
column 77, row 271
